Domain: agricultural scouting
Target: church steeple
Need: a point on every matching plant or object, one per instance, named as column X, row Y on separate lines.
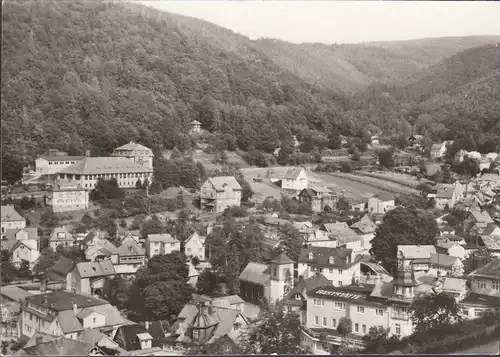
column 404, row 281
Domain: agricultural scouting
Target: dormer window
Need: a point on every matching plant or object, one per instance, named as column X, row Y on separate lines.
column 330, row 260
column 311, row 256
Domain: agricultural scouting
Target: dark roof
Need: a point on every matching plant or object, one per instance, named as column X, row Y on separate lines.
column 63, row 300
column 308, row 284
column 481, row 300
column 61, row 346
column 359, row 294
column 157, row 330
column 490, row 270
column 60, row 269
column 293, row 173
column 443, row 260
column 88, row 238
column 383, row 196
column 10, row 234
column 255, row 273
column 282, row 259
column 321, row 256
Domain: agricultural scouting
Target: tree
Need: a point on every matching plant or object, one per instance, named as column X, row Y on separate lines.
column 291, row 240
column 74, row 253
column 375, row 339
column 477, row 259
column 433, row 310
column 342, row 204
column 47, row 259
column 49, row 219
column 402, row 226
column 106, row 190
column 247, row 191
column 152, row 226
column 138, row 184
column 9, row 272
column 385, row 158
column 344, row 327
column 24, row 271
column 277, row 332
column 117, row 291
column 161, row 287
column 12, row 167
column 207, row 282
column 220, row 347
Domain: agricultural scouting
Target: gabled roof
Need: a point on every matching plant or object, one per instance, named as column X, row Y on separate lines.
column 10, row 234
column 445, row 191
column 63, row 300
column 220, row 182
column 164, row 238
column 195, row 122
column 60, row 269
column 341, row 232
column 193, row 236
column 60, row 346
column 443, row 260
column 309, row 284
column 256, row 273
column 481, row 216
column 95, row 269
column 364, row 226
column 321, row 256
column 491, row 242
column 132, row 332
column 416, row 251
column 384, row 197
column 490, row 270
column 25, row 244
column 69, row 322
column 55, row 234
column 130, row 248
column 9, row 214
column 293, row 173
column 105, row 165
column 282, row 259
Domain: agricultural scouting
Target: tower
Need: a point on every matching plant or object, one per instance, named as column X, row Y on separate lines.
column 404, row 281
column 281, row 271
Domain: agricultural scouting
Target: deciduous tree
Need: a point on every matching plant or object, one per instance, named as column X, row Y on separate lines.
column 433, row 310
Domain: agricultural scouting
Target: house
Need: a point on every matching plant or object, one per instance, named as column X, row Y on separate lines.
column 343, row 235
column 56, row 277
column 448, row 195
column 11, row 219
column 446, row 229
column 267, row 281
column 418, row 256
column 479, row 220
column 161, row 244
column 62, row 313
column 128, row 257
column 381, row 203
column 485, row 291
column 22, row 244
column 219, row 193
column 318, row 199
column 492, row 244
column 415, row 140
column 61, row 236
column 88, row 171
column 295, row 179
column 316, row 237
column 60, row 346
column 52, row 164
column 101, row 249
column 195, row 127
column 201, row 322
column 439, row 150
column 296, row 299
column 67, row 196
column 446, row 265
column 146, row 337
column 138, row 153
column 338, row 265
column 356, row 205
column 87, row 278
column 455, row 287
column 451, row 248
column 366, row 230
column 194, row 246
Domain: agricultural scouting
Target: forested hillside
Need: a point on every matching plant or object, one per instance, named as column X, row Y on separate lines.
column 93, row 75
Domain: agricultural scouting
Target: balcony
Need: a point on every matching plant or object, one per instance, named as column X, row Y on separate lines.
column 397, row 316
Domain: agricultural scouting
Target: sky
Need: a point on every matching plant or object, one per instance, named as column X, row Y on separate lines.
column 343, row 21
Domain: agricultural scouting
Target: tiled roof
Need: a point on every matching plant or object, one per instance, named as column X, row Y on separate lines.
column 55, row 234
column 256, row 273
column 130, row 334
column 444, row 191
column 377, row 268
column 490, row 270
column 454, row 284
column 443, row 260
column 133, row 146
column 293, row 173
column 69, row 322
column 14, row 292
column 130, row 248
column 220, row 182
column 61, row 346
column 415, row 251
column 61, row 158
column 481, row 216
column 383, row 196
column 105, row 165
column 282, row 259
column 309, row 284
column 95, row 269
column 63, row 300
column 364, row 226
column 10, row 234
column 321, row 256
column 481, row 300
column 165, row 238
column 231, row 299
column 491, row 242
column 9, row 214
column 45, row 337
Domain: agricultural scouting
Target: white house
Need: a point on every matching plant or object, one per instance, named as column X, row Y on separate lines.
column 419, row 256
column 295, row 179
column 68, row 196
column 219, row 193
column 161, row 244
column 439, row 150
column 195, row 127
column 449, row 195
column 451, row 248
column 52, row 164
column 11, row 219
column 138, row 153
column 22, row 244
column 381, row 203
column 194, row 246
column 61, row 236
column 446, row 265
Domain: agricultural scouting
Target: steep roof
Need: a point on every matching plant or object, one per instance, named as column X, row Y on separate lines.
column 256, row 273
column 55, row 236
column 220, row 182
column 60, row 346
column 60, row 269
column 321, row 256
column 111, row 313
column 341, row 232
column 105, row 165
column 491, row 242
column 165, row 238
column 364, row 226
column 133, row 146
column 9, row 214
column 282, row 259
column 293, row 173
column 444, row 191
column 481, row 216
column 63, row 300
column 130, row 248
column 315, row 281
column 132, row 332
column 443, row 260
column 69, row 322
column 10, row 234
column 416, row 251
column 95, row 269
column 490, row 270
column 383, row 196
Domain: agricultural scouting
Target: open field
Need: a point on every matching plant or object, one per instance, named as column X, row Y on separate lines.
column 348, row 188
column 377, row 183
column 206, row 160
column 394, row 177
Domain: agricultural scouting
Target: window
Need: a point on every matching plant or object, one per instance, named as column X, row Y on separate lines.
column 360, row 309
column 324, row 321
column 481, row 284
column 172, row 244
column 496, row 285
column 356, row 327
column 340, row 283
column 316, row 320
column 331, row 271
column 398, row 329
column 93, row 319
column 339, row 305
column 478, row 312
column 364, row 328
column 189, row 250
column 319, row 302
column 334, row 323
column 31, row 317
column 340, row 271
column 379, row 312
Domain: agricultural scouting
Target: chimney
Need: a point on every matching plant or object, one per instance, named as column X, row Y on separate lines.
column 75, row 309
column 87, row 153
column 146, row 325
column 43, row 285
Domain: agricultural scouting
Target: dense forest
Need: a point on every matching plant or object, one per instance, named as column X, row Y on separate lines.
column 94, row 75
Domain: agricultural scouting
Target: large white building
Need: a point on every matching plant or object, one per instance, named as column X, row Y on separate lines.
column 140, row 154
column 68, row 196
column 88, row 171
column 52, row 164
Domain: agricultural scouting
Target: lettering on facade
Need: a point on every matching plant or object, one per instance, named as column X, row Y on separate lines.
column 338, row 294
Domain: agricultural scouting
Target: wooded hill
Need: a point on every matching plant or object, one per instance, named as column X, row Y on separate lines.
column 94, row 75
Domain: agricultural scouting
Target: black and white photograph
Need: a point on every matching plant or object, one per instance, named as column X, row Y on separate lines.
column 250, row 177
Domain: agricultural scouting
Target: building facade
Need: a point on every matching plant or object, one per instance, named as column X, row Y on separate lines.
column 381, row 204
column 52, row 164
column 318, row 199
column 219, row 193
column 138, row 153
column 161, row 244
column 67, row 196
column 295, row 179
column 11, row 219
